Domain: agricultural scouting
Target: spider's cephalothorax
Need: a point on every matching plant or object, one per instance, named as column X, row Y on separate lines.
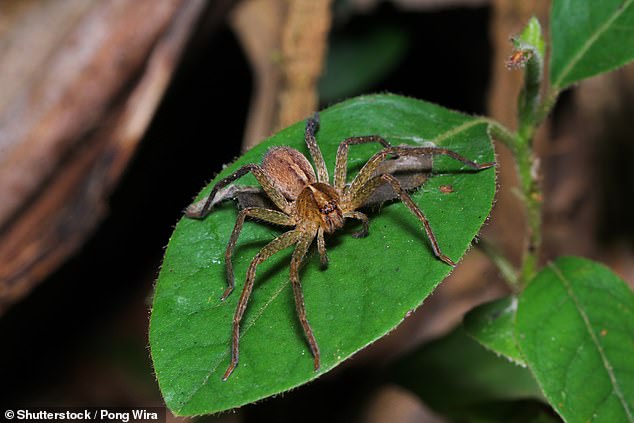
column 309, row 203
column 319, row 203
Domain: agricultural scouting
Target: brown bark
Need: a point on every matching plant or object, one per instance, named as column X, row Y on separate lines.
column 285, row 42
column 82, row 80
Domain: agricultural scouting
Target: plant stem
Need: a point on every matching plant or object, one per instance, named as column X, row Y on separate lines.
column 529, row 50
column 506, row 268
column 499, row 132
column 532, row 109
column 530, row 194
column 547, row 105
column 532, row 197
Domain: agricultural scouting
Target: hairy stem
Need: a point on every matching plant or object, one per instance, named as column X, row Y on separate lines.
column 528, row 173
column 529, row 50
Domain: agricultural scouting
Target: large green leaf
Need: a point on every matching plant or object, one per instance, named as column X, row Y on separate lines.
column 575, row 328
column 493, row 325
column 457, row 376
column 368, row 288
column 589, row 37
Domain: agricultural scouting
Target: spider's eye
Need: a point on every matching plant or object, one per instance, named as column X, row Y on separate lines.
column 328, row 208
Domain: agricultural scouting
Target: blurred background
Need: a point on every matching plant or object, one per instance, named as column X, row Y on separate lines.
column 114, row 114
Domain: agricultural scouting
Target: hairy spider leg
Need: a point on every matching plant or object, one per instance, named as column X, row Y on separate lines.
column 266, row 215
column 263, row 179
column 367, row 171
column 296, row 261
column 321, row 247
column 312, row 126
column 365, row 184
column 341, row 163
column 364, row 220
column 377, row 181
column 281, row 242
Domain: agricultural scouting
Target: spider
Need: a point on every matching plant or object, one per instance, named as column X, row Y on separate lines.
column 309, row 203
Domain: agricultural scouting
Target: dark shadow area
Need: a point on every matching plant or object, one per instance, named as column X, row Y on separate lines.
column 446, row 59
column 336, row 397
column 196, row 130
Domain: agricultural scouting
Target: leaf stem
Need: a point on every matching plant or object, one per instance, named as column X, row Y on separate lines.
column 529, row 50
column 505, row 267
column 499, row 132
column 547, row 105
column 528, row 172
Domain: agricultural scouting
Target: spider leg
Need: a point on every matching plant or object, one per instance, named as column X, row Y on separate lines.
column 281, row 242
column 296, row 261
column 365, row 191
column 364, row 220
column 341, row 163
column 266, row 215
column 271, row 190
column 321, row 247
column 367, row 171
column 312, row 126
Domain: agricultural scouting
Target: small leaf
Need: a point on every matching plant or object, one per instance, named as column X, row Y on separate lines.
column 493, row 325
column 575, row 328
column 368, row 288
column 589, row 37
column 455, row 373
column 532, row 37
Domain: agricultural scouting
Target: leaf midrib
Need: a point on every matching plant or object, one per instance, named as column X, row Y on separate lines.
column 586, row 320
column 589, row 43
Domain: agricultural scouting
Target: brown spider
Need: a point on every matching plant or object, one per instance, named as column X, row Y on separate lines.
column 313, row 206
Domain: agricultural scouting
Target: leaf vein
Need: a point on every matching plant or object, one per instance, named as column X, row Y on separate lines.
column 457, row 129
column 224, row 355
column 590, row 42
column 606, row 364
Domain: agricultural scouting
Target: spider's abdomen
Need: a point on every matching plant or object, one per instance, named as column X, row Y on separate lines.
column 319, row 203
column 290, row 170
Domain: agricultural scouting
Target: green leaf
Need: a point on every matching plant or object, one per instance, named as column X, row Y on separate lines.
column 369, row 287
column 356, row 63
column 575, row 328
column 589, row 37
column 531, row 38
column 493, row 325
column 455, row 375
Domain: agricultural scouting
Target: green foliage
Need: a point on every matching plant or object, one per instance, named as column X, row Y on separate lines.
column 368, row 288
column 575, row 328
column 493, row 325
column 589, row 37
column 456, row 376
column 532, row 38
column 573, row 324
column 356, row 63
column 530, row 42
